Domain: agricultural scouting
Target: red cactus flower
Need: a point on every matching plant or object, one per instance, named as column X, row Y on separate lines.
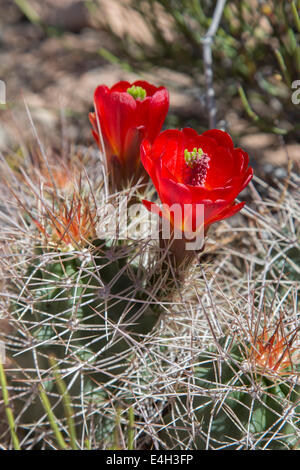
column 126, row 114
column 187, row 168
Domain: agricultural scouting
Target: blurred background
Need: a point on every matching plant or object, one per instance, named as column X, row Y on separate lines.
column 54, row 53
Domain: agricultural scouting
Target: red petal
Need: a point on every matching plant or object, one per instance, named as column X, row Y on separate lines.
column 212, row 209
column 228, row 212
column 116, row 114
column 152, row 111
column 241, row 160
column 221, row 167
column 148, row 162
column 171, row 192
column 241, row 181
column 152, row 207
column 132, row 145
column 247, row 178
column 163, row 141
column 201, row 193
column 150, row 89
column 121, row 87
column 221, row 137
column 167, row 147
column 190, row 133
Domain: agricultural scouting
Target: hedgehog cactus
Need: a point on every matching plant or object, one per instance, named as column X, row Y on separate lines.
column 75, row 296
column 242, row 399
column 79, row 290
column 127, row 342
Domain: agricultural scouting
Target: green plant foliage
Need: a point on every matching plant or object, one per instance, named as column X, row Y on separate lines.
column 256, row 48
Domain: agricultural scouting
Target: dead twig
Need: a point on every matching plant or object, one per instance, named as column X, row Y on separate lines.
column 207, row 42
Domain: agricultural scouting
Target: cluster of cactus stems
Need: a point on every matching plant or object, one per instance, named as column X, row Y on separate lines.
column 117, row 342
column 110, row 346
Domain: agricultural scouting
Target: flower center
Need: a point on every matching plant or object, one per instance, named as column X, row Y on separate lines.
column 137, row 92
column 197, row 162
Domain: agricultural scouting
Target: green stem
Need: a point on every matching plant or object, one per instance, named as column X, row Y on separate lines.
column 283, row 67
column 246, row 105
column 256, row 118
column 130, row 429
column 8, row 410
column 117, row 431
column 28, row 11
column 66, row 402
column 296, row 16
column 47, row 406
column 87, row 444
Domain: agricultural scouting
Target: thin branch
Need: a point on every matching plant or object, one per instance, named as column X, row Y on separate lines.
column 207, row 42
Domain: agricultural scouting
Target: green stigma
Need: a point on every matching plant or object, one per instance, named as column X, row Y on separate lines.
column 137, row 92
column 193, row 157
